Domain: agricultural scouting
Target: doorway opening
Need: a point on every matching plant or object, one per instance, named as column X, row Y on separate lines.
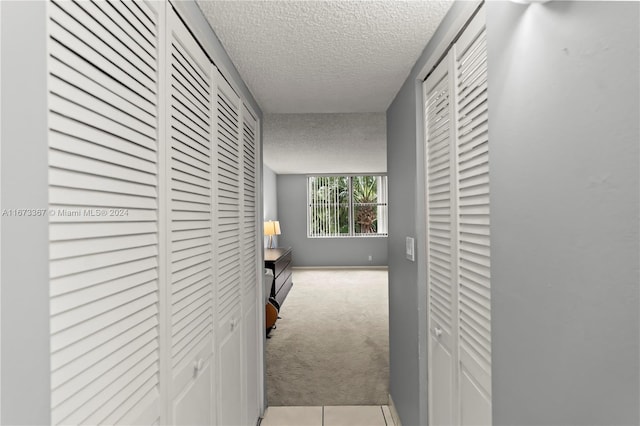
column 331, row 344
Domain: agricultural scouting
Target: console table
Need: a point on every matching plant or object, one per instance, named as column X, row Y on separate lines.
column 279, row 261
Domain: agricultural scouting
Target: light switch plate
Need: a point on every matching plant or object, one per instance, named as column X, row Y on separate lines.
column 410, row 251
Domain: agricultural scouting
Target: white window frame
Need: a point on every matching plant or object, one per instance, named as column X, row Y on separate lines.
column 382, row 207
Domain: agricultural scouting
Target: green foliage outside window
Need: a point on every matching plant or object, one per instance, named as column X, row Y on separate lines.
column 365, row 204
column 345, row 205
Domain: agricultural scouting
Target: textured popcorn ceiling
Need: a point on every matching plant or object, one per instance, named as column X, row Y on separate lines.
column 324, row 56
column 325, row 143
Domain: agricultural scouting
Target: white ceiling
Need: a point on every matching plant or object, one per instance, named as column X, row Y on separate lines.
column 324, row 56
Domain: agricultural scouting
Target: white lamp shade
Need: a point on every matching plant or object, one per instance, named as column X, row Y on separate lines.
column 272, row 227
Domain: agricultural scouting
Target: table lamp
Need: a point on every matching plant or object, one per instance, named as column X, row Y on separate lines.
column 271, row 228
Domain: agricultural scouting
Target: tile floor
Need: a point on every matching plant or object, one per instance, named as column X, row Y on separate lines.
column 344, row 415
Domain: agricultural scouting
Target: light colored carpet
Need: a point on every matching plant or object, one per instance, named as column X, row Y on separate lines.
column 331, row 346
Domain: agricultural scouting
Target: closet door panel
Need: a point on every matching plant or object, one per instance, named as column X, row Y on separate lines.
column 440, row 245
column 230, row 386
column 251, row 360
column 104, row 223
column 475, row 408
column 250, row 266
column 228, row 200
column 188, row 407
column 229, row 219
column 458, row 236
column 473, row 218
column 190, row 156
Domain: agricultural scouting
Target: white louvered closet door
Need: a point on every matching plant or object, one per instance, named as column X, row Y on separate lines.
column 474, row 296
column 229, row 193
column 250, row 266
column 458, row 252
column 190, row 242
column 440, row 243
column 104, row 209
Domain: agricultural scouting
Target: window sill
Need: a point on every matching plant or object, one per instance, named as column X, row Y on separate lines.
column 342, row 237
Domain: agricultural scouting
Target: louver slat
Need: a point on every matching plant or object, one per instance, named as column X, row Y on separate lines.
column 116, row 27
column 77, row 39
column 100, row 144
column 133, row 114
column 473, row 209
column 104, row 278
column 127, row 10
column 84, row 111
column 230, row 146
column 106, row 39
column 439, row 202
column 191, row 254
column 249, row 236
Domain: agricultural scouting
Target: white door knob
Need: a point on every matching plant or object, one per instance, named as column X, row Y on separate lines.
column 437, row 331
column 197, row 366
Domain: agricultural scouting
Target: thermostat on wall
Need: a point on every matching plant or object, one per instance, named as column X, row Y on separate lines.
column 410, row 250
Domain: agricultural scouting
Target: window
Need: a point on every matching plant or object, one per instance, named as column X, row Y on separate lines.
column 347, row 206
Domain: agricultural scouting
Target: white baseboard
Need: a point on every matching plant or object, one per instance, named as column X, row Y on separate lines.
column 394, row 413
column 384, row 268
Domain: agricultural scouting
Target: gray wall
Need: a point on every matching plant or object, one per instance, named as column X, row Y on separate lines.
column 404, row 303
column 564, row 175
column 292, row 208
column 25, row 370
column 564, row 106
column 270, row 199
